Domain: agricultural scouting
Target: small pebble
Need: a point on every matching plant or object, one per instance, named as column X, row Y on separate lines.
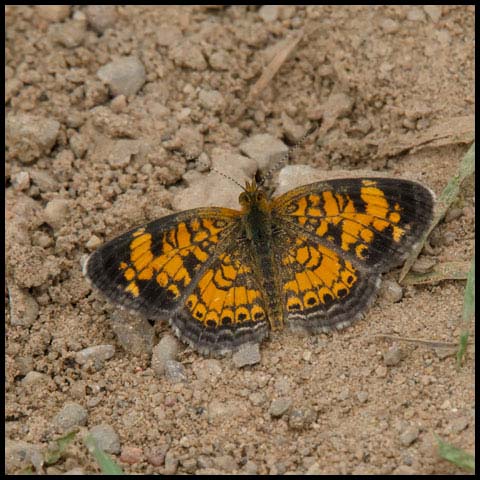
column 269, row 13
column 362, row 396
column 101, row 17
column 124, row 76
column 106, row 437
column 53, row 13
column 220, row 60
column 381, row 371
column 226, row 463
column 93, row 243
column 416, row 14
column 300, row 418
column 97, row 353
column 71, row 415
column 211, row 100
column 171, row 464
column 458, row 424
column 434, row 12
column 279, row 406
column 70, row 34
column 131, row 455
column 20, row 454
column 57, row 212
column 189, row 465
column 166, row 35
column 453, row 213
column 391, row 291
column 247, row 354
column 166, row 350
column 134, row 333
column 409, row 436
column 30, row 136
column 188, row 54
column 21, row 181
column 390, row 26
column 35, row 378
column 75, row 471
column 257, row 398
column 392, row 356
column 265, row 149
column 175, row 372
column 423, row 265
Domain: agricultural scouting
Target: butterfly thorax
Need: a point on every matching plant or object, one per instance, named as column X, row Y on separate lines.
column 257, row 227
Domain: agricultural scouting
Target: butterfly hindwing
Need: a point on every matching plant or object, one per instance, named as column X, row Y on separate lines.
column 227, row 306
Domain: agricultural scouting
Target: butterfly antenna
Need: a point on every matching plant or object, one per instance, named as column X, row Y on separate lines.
column 289, row 154
column 206, row 165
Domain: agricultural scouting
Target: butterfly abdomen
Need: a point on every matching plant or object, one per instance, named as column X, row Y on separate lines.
column 258, row 231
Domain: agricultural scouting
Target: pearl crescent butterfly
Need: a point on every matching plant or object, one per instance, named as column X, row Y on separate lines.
column 310, row 259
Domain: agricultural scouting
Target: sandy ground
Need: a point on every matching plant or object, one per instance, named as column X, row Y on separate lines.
column 88, row 158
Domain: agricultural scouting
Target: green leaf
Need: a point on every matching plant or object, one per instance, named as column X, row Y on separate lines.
column 107, row 465
column 455, row 455
column 468, row 312
column 54, row 453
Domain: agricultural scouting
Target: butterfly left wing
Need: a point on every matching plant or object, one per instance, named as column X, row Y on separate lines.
column 150, row 269
column 335, row 238
column 190, row 268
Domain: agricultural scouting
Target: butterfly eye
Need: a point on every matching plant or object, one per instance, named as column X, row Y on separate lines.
column 243, row 198
column 260, row 196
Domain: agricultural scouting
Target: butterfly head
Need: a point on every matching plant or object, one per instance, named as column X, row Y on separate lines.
column 253, row 195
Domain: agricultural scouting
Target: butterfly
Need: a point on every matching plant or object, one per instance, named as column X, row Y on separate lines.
column 310, row 260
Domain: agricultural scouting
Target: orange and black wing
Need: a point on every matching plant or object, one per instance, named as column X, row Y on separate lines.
column 335, row 238
column 186, row 268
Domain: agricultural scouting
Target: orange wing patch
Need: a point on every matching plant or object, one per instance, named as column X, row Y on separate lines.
column 317, row 276
column 357, row 217
column 225, row 296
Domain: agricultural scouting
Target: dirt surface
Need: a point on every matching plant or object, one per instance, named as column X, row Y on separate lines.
column 90, row 155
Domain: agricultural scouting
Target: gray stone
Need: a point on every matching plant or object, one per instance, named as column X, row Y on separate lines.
column 101, row 17
column 175, row 372
column 166, row 350
column 171, row 464
column 279, row 406
column 57, row 212
column 21, row 181
column 29, row 136
column 20, row 454
column 211, row 100
column 70, row 34
column 247, row 354
column 124, row 76
column 458, row 424
column 53, row 13
column 269, row 13
column 97, row 353
column 187, row 54
column 134, row 333
column 106, row 437
column 391, row 291
column 434, row 12
column 409, row 435
column 71, row 415
column 265, row 149
column 35, row 378
column 226, row 463
column 393, row 356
